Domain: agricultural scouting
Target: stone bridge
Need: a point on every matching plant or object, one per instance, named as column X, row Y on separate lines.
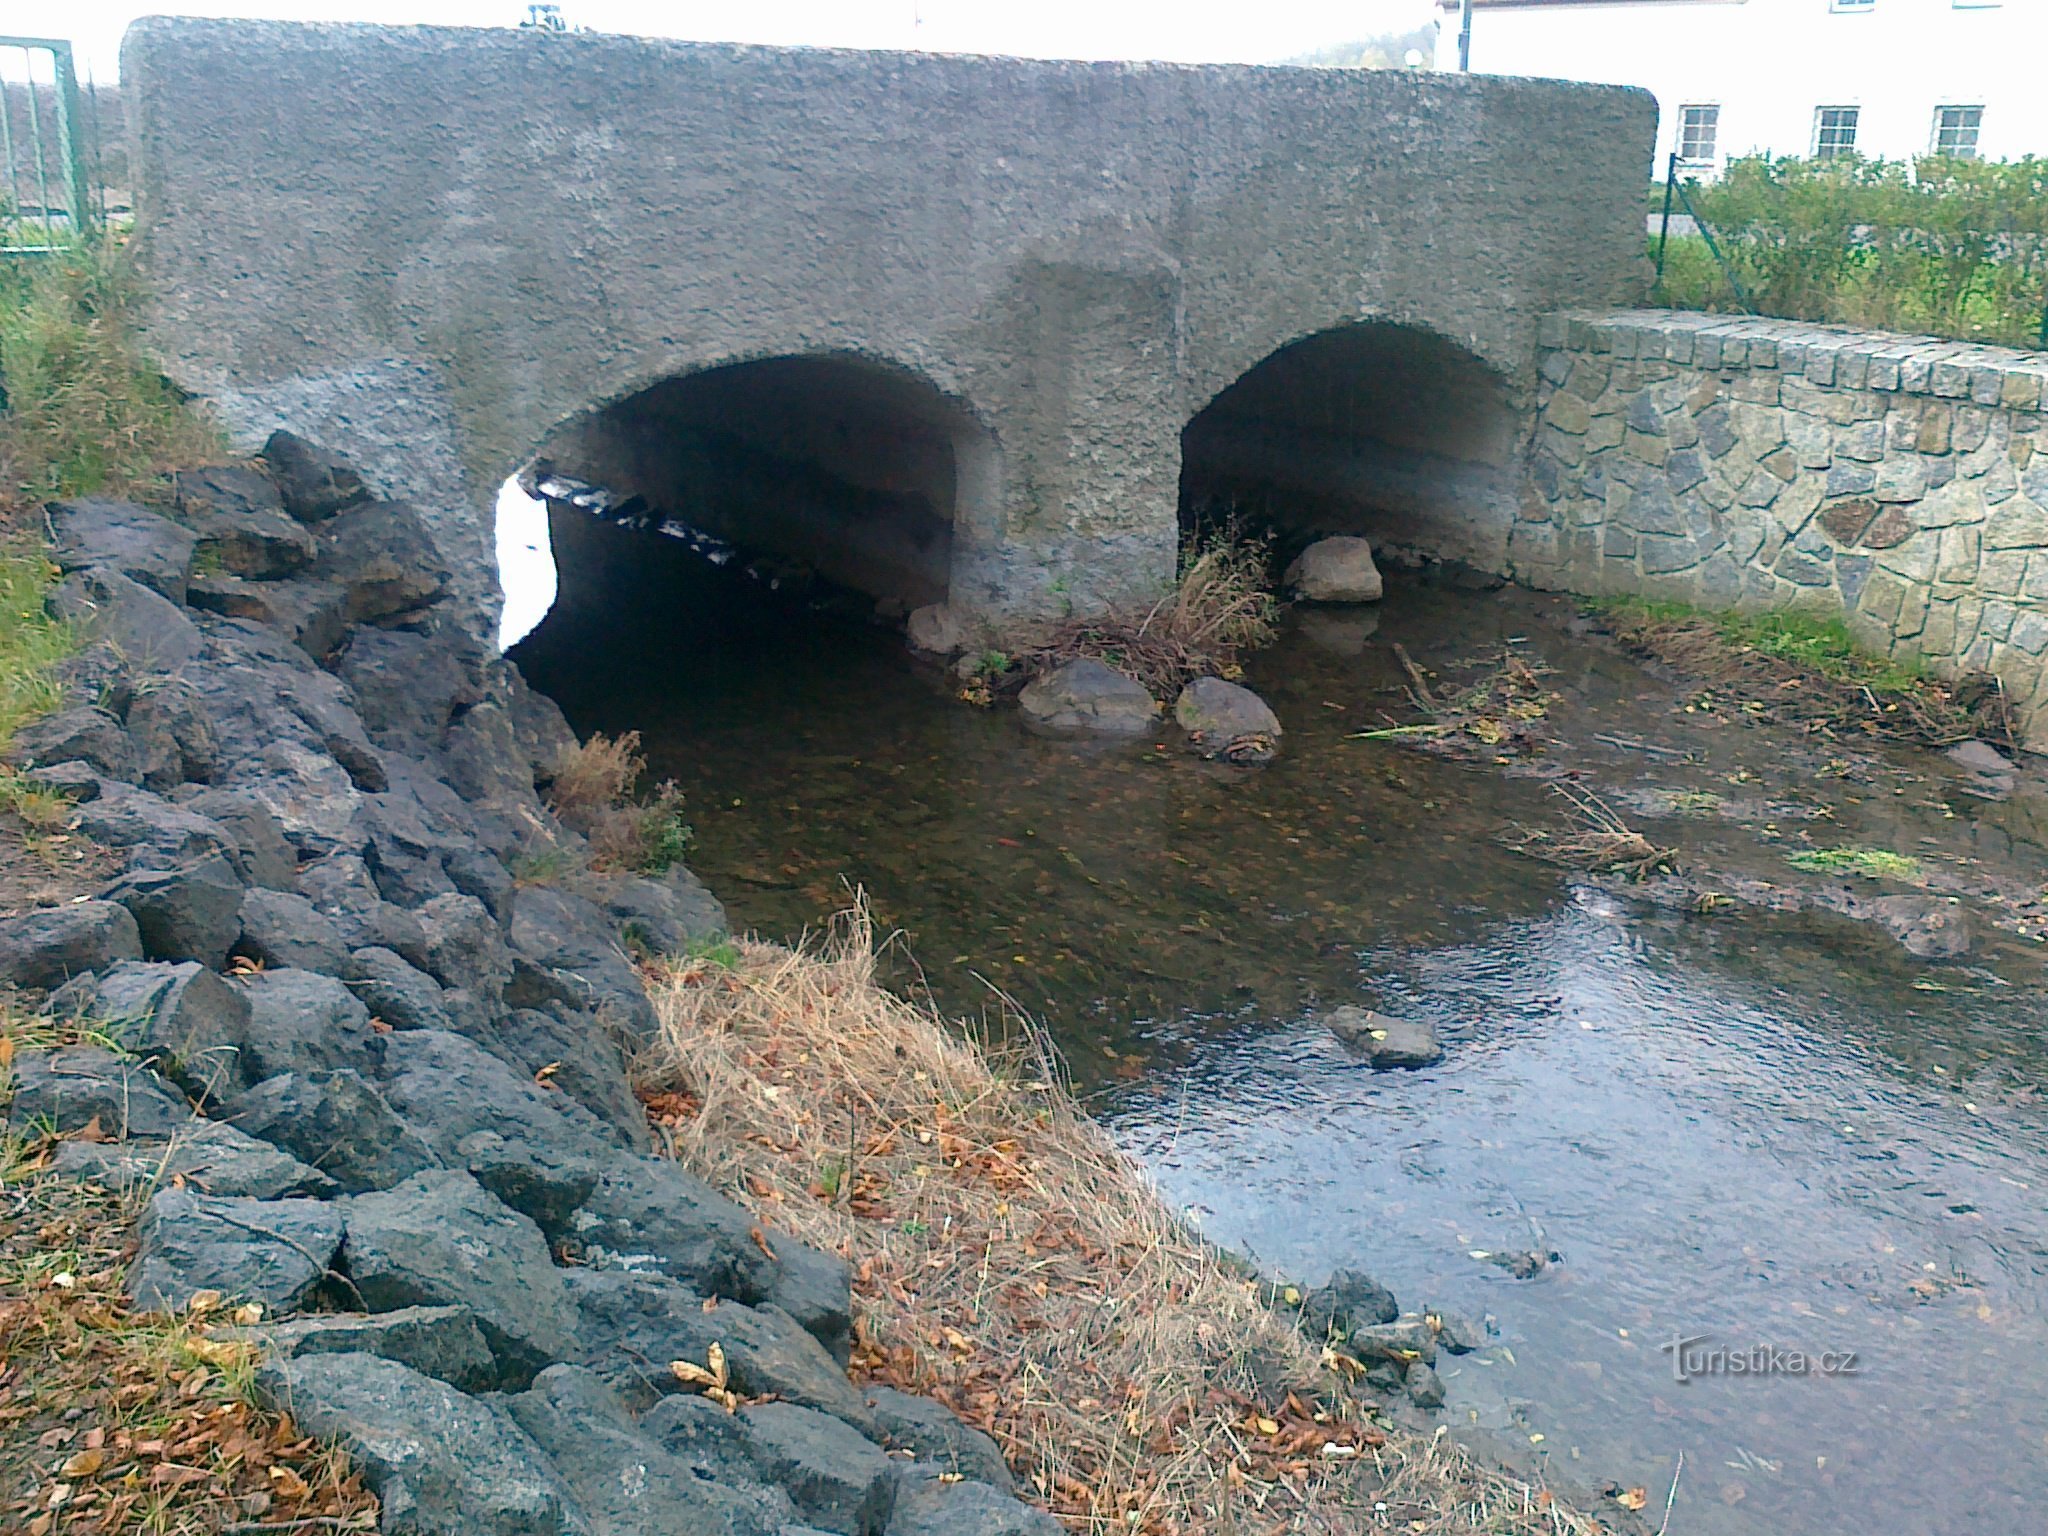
column 964, row 329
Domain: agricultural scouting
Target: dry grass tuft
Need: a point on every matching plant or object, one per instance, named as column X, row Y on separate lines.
column 1599, row 839
column 1009, row 1260
column 592, row 791
column 1222, row 607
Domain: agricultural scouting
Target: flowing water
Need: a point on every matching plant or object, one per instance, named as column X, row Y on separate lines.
column 1746, row 1129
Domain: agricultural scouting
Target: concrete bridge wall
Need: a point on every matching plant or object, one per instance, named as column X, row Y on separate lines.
column 444, row 251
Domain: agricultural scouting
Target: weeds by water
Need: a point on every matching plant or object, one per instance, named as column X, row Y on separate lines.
column 1871, row 863
column 1809, row 671
column 1008, row 1259
column 1598, row 839
column 1499, row 714
column 592, row 791
column 1221, row 607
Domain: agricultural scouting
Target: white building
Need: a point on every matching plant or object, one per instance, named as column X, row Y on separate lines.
column 1887, row 78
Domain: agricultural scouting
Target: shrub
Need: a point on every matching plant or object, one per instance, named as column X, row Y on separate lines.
column 1944, row 246
column 592, row 791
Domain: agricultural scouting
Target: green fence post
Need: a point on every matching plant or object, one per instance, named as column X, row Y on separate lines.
column 1664, row 230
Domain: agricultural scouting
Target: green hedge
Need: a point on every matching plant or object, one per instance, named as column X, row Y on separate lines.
column 1941, row 246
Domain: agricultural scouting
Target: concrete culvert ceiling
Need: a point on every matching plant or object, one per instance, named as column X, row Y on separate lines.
column 851, row 468
column 1379, row 429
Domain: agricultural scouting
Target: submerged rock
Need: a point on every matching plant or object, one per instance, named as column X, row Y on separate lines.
column 1347, row 1301
column 1088, row 695
column 1425, row 1387
column 1227, row 721
column 1336, row 570
column 1383, row 1040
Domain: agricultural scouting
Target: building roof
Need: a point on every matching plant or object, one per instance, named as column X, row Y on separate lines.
column 1529, row 5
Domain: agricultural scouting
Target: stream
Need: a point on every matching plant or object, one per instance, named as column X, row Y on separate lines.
column 1746, row 1128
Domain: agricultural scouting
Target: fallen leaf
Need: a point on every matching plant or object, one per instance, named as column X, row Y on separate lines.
column 84, row 1464
column 1632, row 1498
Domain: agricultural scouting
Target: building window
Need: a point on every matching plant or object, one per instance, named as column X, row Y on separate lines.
column 1956, row 130
column 1697, row 129
column 1834, row 131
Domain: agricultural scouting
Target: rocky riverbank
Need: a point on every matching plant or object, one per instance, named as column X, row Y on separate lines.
column 350, row 1020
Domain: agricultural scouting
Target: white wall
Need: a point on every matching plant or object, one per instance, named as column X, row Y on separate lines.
column 1770, row 63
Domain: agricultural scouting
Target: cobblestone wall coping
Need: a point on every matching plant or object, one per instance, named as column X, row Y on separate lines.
column 1825, row 355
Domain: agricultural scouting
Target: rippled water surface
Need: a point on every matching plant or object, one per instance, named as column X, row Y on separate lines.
column 1758, row 1131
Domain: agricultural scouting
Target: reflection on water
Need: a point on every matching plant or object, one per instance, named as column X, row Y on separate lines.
column 1760, row 1133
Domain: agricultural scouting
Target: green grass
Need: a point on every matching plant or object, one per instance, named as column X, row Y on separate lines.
column 1823, row 645
column 1872, row 863
column 31, row 645
column 720, row 953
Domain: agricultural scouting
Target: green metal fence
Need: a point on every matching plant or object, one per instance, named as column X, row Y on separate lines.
column 51, row 194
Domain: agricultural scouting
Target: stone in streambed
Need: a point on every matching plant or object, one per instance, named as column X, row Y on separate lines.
column 1088, row 695
column 1349, row 1300
column 1383, row 1040
column 1336, row 570
column 1226, row 721
column 1425, row 1387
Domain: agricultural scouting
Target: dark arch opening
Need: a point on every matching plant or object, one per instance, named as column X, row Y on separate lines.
column 830, row 466
column 1375, row 429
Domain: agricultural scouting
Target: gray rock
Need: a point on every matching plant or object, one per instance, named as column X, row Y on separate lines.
column 583, row 1062
column 156, row 833
column 441, row 1342
column 85, row 735
column 342, row 891
column 817, row 1290
column 379, row 553
column 75, row 781
column 314, row 483
column 1336, row 570
column 440, row 1239
column 1929, row 927
column 633, row 1325
column 571, row 940
column 662, row 916
column 1425, row 1387
column 838, row 1479
column 624, row 1480
column 465, row 945
column 261, row 852
column 441, row 1463
column 120, row 536
column 1088, row 695
column 240, row 523
column 173, row 735
column 1226, row 721
column 397, row 993
column 927, row 1505
column 648, row 1214
column 476, row 873
column 210, row 1158
column 181, row 1018
column 313, row 615
column 535, row 1150
column 935, row 1434
column 337, row 1123
column 1456, row 1333
column 300, row 1021
column 191, row 911
column 148, row 630
column 283, row 930
column 1400, row 1342
column 47, row 947
column 1383, row 1040
column 408, row 686
column 1979, row 757
column 274, row 1252
column 1348, row 1300
column 705, row 1435
column 67, row 1089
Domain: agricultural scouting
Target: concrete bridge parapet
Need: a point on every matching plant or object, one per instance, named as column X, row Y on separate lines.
column 989, row 293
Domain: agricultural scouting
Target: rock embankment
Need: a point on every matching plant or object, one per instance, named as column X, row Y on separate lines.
column 380, row 1085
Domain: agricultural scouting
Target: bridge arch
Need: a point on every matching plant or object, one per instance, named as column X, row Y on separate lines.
column 1370, row 427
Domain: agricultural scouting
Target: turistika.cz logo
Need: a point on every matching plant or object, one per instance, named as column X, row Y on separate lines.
column 1697, row 1355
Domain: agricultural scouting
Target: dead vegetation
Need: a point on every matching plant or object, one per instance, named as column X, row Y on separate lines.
column 113, row 1420
column 1808, row 672
column 1222, row 607
column 592, row 791
column 1500, row 714
column 1010, row 1261
column 1597, row 840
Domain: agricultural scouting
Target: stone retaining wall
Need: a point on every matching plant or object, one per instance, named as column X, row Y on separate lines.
column 1770, row 464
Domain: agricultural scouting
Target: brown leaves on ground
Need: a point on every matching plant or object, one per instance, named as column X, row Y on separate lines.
column 1010, row 1261
column 115, row 1421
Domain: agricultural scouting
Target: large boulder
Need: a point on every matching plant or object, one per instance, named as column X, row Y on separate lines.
column 47, row 947
column 155, row 833
column 301, row 1021
column 260, row 849
column 172, row 732
column 930, row 1503
column 182, row 1018
column 206, row 1156
column 120, row 536
column 576, row 950
column 190, row 911
column 338, row 1123
column 281, row 929
column 578, row 1057
column 314, row 483
column 440, row 1239
column 1088, row 695
column 87, row 734
column 1227, row 721
column 240, row 522
column 838, row 1479
column 273, row 1252
column 649, row 1214
column 441, row 1342
column 441, row 1463
column 147, row 630
column 379, row 553
column 1336, row 570
column 661, row 915
column 397, row 993
column 632, row 1326
column 932, row 1432
column 67, row 1089
column 342, row 891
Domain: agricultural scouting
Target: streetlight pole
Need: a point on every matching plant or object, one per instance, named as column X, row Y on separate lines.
column 1465, row 37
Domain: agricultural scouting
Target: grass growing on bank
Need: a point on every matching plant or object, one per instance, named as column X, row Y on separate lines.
column 1808, row 670
column 1010, row 1260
